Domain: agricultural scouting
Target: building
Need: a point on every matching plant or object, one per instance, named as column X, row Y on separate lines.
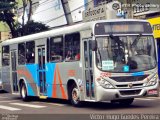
column 4, row 31
column 55, row 13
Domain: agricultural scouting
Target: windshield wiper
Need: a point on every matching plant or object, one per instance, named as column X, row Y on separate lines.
column 136, row 40
column 117, row 40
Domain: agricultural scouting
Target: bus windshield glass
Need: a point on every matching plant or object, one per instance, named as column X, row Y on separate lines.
column 125, row 53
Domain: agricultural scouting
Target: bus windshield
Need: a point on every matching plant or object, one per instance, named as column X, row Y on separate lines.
column 125, row 53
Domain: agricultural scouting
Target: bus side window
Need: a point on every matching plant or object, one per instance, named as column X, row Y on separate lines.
column 30, row 52
column 5, row 55
column 72, row 47
column 56, row 49
column 21, row 53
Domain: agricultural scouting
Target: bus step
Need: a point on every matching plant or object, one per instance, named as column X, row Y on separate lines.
column 43, row 97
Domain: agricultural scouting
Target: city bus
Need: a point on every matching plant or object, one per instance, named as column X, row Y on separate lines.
column 99, row 61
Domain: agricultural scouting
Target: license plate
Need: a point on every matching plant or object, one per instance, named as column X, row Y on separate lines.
column 152, row 92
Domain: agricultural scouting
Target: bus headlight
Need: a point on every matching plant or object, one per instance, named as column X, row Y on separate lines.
column 153, row 81
column 104, row 83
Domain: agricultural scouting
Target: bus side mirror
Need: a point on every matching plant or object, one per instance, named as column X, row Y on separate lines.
column 93, row 44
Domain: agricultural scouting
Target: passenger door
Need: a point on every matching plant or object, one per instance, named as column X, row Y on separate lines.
column 42, row 70
column 14, row 81
column 88, row 70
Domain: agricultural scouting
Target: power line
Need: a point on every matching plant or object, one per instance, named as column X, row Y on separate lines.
column 49, row 7
column 48, row 21
column 45, row 2
column 40, row 4
column 68, row 13
column 45, row 9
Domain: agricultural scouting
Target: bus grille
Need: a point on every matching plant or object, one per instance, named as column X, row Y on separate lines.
column 130, row 92
column 129, row 78
column 133, row 85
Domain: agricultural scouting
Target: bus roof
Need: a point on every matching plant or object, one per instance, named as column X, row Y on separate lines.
column 63, row 30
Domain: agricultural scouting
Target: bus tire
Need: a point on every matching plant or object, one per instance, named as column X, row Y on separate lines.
column 23, row 92
column 74, row 96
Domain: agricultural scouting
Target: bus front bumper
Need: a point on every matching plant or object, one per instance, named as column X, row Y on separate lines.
column 116, row 94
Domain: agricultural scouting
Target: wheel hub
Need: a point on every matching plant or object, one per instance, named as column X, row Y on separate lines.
column 23, row 92
column 75, row 95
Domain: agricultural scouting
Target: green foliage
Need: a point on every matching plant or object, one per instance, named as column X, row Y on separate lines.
column 6, row 10
column 7, row 5
column 31, row 27
column 17, row 29
column 7, row 15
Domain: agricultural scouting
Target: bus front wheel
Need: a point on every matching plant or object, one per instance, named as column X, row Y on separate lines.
column 23, row 92
column 74, row 96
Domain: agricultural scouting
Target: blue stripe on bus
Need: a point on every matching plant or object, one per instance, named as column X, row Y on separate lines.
column 33, row 71
column 50, row 69
column 30, row 90
column 137, row 73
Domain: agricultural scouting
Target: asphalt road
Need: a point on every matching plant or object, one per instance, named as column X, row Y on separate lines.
column 12, row 104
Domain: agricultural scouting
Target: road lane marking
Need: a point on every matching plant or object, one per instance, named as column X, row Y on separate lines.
column 8, row 101
column 28, row 105
column 3, row 97
column 50, row 103
column 154, row 97
column 144, row 99
column 149, row 98
column 55, row 104
column 9, row 108
column 15, row 93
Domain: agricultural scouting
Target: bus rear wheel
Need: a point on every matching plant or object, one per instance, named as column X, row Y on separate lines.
column 23, row 92
column 74, row 96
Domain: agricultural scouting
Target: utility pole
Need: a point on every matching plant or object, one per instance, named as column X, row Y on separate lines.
column 67, row 12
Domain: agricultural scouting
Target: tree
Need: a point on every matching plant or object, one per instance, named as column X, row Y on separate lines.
column 31, row 27
column 24, row 9
column 25, row 4
column 7, row 15
column 30, row 10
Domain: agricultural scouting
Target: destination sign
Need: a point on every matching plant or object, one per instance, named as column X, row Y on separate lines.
column 122, row 28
